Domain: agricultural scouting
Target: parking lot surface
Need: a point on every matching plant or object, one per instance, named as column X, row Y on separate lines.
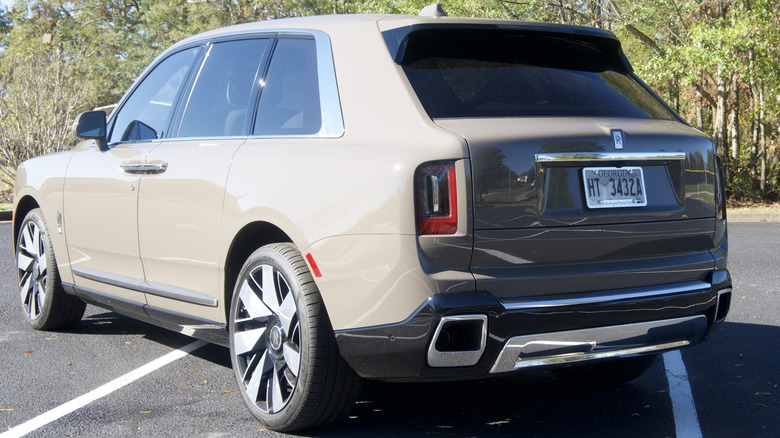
column 98, row 378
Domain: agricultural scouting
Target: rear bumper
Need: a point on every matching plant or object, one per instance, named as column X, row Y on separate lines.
column 516, row 335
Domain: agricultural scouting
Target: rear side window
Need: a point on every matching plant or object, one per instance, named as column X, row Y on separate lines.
column 146, row 113
column 219, row 100
column 506, row 73
column 290, row 98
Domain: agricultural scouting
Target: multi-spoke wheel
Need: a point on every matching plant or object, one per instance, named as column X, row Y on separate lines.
column 282, row 347
column 46, row 306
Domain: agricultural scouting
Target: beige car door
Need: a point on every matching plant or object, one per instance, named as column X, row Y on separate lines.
column 101, row 187
column 180, row 210
column 101, row 204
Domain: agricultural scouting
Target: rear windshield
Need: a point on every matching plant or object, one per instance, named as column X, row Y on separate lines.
column 506, row 73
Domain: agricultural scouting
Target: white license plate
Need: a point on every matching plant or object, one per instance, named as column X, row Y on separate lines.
column 614, row 187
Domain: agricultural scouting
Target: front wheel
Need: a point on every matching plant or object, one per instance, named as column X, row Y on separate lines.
column 45, row 304
column 282, row 347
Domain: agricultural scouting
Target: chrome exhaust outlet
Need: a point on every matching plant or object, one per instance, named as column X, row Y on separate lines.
column 724, row 304
column 458, row 341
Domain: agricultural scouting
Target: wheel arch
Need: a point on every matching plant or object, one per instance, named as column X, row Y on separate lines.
column 245, row 242
column 26, row 204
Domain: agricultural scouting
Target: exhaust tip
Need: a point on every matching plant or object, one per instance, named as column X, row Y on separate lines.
column 458, row 341
column 724, row 304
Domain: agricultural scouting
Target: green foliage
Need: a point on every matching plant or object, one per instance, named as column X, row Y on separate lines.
column 714, row 61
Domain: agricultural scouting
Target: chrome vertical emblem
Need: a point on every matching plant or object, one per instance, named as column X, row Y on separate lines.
column 617, row 138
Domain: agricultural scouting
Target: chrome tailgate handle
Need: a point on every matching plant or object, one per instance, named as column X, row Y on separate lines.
column 140, row 168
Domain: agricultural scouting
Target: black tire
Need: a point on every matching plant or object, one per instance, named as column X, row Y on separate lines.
column 45, row 304
column 606, row 373
column 277, row 323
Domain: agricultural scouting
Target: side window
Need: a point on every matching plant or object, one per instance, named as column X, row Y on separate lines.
column 219, row 100
column 145, row 114
column 290, row 99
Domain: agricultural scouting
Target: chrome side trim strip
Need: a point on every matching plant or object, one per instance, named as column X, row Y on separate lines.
column 578, row 299
column 599, row 343
column 564, row 157
column 160, row 290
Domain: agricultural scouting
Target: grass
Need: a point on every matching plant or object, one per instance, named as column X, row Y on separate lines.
column 753, row 207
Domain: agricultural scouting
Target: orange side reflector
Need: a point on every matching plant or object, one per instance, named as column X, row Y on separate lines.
column 314, row 268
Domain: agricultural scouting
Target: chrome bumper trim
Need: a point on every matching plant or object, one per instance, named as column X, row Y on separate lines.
column 599, row 343
column 579, row 299
column 563, row 157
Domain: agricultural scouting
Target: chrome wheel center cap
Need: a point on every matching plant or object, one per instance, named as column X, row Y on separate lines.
column 275, row 337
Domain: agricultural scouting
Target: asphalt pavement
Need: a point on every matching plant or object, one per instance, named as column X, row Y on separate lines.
column 733, row 379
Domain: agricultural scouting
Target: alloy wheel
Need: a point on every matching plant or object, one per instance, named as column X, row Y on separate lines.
column 266, row 338
column 31, row 260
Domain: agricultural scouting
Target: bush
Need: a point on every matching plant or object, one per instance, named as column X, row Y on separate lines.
column 39, row 99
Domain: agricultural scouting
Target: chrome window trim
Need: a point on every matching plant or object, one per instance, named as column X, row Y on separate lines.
column 330, row 101
column 579, row 299
column 561, row 157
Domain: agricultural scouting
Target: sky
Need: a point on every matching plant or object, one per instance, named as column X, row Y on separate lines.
column 7, row 3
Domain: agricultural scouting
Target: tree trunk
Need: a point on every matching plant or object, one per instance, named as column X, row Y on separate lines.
column 699, row 112
column 719, row 123
column 734, row 120
column 755, row 124
column 762, row 137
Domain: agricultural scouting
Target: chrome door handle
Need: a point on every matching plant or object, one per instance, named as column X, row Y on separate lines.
column 140, row 168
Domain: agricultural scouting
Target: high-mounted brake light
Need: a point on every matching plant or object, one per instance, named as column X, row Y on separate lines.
column 437, row 200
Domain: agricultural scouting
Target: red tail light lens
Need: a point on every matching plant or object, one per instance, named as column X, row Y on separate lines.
column 437, row 200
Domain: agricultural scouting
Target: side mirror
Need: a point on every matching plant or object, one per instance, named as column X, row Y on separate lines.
column 91, row 125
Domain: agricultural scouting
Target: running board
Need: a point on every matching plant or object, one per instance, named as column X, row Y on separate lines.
column 599, row 343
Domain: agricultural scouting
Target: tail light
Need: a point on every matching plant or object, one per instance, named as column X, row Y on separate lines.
column 437, row 200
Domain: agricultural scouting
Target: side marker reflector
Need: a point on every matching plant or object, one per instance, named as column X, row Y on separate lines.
column 314, row 268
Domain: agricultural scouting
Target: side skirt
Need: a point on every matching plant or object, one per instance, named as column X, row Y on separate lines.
column 209, row 331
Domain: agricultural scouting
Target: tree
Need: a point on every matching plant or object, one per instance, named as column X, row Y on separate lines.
column 39, row 100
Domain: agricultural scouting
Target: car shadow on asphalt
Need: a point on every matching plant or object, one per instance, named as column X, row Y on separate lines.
column 101, row 322
column 739, row 360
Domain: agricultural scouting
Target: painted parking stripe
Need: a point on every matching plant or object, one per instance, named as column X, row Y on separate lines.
column 686, row 422
column 108, row 388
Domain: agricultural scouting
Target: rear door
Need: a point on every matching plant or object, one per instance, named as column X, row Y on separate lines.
column 180, row 209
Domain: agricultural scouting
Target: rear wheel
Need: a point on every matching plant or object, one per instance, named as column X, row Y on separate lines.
column 282, row 347
column 45, row 304
column 612, row 372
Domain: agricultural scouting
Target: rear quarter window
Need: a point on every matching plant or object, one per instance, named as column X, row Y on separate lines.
column 290, row 98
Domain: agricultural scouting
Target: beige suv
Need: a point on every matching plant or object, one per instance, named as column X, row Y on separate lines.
column 385, row 197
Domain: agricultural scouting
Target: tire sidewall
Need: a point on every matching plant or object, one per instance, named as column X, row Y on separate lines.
column 269, row 255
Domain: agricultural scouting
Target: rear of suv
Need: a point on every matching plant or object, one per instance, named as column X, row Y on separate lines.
column 385, row 197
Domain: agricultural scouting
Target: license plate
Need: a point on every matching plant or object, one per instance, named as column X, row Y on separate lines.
column 614, row 187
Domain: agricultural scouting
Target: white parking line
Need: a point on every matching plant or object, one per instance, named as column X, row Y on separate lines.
column 686, row 422
column 108, row 388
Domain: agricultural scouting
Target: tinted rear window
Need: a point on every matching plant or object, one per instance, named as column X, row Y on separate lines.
column 505, row 73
